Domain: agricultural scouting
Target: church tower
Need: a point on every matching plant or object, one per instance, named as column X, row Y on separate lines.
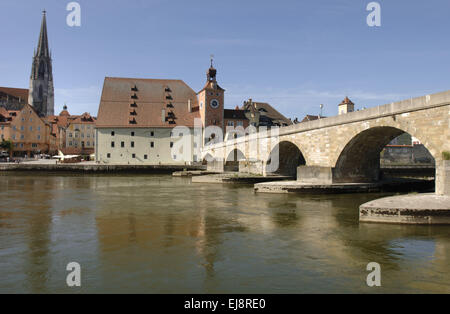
column 211, row 100
column 41, row 92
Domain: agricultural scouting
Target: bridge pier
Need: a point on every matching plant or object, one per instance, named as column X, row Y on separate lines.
column 215, row 165
column 315, row 174
column 443, row 177
column 252, row 167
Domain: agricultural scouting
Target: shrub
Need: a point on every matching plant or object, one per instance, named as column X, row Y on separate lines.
column 446, row 155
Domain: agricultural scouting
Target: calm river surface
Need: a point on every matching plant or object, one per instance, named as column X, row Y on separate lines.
column 158, row 234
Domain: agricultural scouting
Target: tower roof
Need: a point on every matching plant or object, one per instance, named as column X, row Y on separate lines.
column 346, row 101
column 42, row 49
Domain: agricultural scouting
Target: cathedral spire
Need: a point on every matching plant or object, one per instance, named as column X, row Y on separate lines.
column 41, row 91
column 42, row 50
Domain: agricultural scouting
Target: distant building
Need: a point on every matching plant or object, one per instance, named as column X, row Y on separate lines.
column 263, row 114
column 41, row 92
column 346, row 106
column 13, row 98
column 309, row 117
column 136, row 118
column 29, row 133
column 75, row 133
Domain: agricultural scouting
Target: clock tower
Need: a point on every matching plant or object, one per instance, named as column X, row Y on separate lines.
column 211, row 101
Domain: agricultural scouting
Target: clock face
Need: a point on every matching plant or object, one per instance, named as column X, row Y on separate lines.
column 214, row 103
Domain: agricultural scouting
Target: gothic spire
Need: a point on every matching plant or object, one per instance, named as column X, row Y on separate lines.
column 42, row 49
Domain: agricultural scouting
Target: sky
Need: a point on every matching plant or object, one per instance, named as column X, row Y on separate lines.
column 294, row 54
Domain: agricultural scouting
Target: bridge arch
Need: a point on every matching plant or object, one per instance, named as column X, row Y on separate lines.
column 359, row 160
column 284, row 159
column 233, row 158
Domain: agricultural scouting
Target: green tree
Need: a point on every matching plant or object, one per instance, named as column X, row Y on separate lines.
column 8, row 145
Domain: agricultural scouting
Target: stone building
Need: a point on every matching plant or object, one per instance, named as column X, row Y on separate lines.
column 29, row 133
column 13, row 98
column 75, row 133
column 346, row 106
column 136, row 119
column 41, row 92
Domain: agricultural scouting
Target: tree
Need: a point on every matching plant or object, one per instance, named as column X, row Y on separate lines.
column 8, row 145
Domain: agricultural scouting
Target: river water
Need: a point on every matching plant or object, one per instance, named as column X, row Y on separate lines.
column 159, row 234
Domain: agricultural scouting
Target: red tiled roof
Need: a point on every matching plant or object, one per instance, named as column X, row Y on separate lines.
column 114, row 110
column 21, row 93
column 270, row 112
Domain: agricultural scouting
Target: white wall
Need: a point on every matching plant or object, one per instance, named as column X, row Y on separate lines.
column 161, row 153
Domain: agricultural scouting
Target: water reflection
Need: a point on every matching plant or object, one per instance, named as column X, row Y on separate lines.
column 158, row 234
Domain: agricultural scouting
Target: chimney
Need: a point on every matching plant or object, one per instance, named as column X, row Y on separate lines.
column 189, row 106
column 163, row 115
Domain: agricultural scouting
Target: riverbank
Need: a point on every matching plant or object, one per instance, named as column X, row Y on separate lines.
column 90, row 167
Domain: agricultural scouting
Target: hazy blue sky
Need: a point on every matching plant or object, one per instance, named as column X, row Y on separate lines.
column 292, row 54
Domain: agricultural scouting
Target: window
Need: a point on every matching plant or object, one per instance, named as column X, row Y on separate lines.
column 21, row 128
column 112, row 144
column 132, row 144
column 152, row 133
column 112, row 133
column 88, row 143
column 132, row 133
column 230, row 123
column 38, row 137
column 152, row 144
column 171, row 144
column 240, row 123
column 70, row 134
column 21, row 137
column 34, row 145
column 31, row 128
column 31, row 119
column 145, row 156
column 108, row 155
column 133, row 155
column 122, row 144
column 38, row 128
column 70, row 143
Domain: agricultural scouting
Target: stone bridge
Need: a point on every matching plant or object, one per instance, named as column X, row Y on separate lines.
column 344, row 148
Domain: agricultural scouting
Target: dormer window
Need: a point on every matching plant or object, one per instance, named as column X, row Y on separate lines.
column 133, row 104
column 134, row 96
column 133, row 121
column 169, row 97
column 168, row 90
column 170, row 105
column 134, row 89
column 133, row 113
